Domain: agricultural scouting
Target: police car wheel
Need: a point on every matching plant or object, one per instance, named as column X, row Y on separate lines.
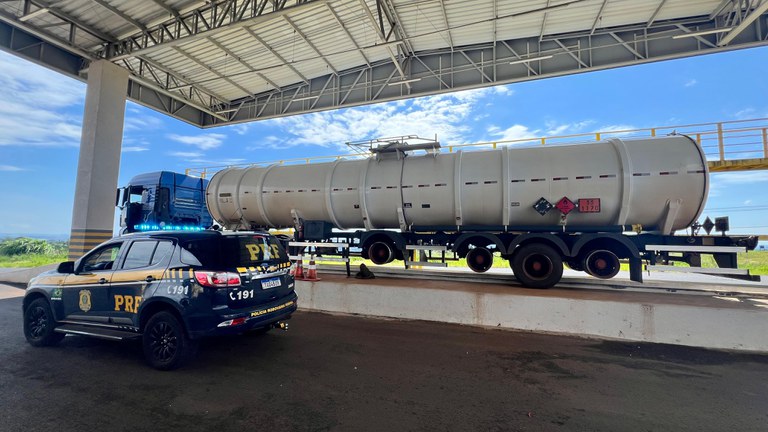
column 166, row 345
column 39, row 324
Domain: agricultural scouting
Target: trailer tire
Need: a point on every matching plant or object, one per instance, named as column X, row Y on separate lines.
column 381, row 252
column 537, row 265
column 479, row 259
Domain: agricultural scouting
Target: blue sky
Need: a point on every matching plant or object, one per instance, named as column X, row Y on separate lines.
column 41, row 115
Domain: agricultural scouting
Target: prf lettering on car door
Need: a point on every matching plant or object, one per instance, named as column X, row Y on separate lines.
column 127, row 303
column 257, row 251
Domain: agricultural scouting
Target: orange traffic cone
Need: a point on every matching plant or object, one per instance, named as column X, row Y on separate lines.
column 298, row 271
column 312, row 273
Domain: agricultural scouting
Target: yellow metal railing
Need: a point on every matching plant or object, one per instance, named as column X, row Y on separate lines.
column 729, row 146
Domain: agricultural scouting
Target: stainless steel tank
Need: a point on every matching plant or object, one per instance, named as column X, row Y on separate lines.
column 659, row 183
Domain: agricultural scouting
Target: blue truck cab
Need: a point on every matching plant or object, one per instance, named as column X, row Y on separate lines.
column 163, row 200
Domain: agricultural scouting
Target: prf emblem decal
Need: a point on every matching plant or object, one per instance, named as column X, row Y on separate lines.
column 85, row 300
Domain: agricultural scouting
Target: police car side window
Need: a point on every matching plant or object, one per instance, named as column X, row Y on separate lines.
column 161, row 251
column 139, row 255
column 102, row 259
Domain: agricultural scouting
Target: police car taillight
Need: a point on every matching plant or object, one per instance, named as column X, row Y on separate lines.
column 232, row 322
column 217, row 279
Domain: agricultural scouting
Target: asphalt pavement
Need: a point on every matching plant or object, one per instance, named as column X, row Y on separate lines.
column 345, row 373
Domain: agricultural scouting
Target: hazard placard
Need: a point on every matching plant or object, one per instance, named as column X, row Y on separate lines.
column 565, row 205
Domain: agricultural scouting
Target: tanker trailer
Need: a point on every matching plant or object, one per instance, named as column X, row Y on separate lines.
column 588, row 205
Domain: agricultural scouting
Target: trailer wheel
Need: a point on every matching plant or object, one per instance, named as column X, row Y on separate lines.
column 381, row 253
column 537, row 265
column 602, row 264
column 479, row 259
column 575, row 264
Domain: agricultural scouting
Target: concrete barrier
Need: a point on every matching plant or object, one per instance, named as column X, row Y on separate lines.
column 23, row 275
column 707, row 321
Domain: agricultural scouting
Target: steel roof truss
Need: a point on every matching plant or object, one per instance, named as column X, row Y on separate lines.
column 655, row 13
column 626, row 45
column 212, row 70
column 598, row 16
column 747, row 18
column 309, row 43
column 243, row 62
column 276, row 54
column 383, row 38
column 349, row 35
column 206, row 20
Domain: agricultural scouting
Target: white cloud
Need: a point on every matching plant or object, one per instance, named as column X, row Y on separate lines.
column 241, row 129
column 137, row 122
column 553, row 128
column 747, row 202
column 513, row 133
column 133, row 149
column 203, row 141
column 744, row 114
column 446, row 115
column 46, row 96
column 10, row 168
column 691, row 82
column 185, row 154
column 504, row 89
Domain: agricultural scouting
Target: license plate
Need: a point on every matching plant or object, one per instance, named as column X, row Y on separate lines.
column 270, row 283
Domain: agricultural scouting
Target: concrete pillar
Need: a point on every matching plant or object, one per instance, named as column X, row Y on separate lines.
column 97, row 169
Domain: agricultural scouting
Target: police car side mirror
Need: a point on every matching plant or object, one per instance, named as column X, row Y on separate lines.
column 66, row 267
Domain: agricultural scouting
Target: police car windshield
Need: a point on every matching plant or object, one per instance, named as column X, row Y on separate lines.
column 233, row 251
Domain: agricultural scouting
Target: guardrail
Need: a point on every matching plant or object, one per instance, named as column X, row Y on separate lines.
column 729, row 146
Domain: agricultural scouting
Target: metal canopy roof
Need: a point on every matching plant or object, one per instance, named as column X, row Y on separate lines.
column 214, row 63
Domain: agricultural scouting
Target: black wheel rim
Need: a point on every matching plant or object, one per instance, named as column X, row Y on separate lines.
column 164, row 342
column 37, row 322
column 480, row 259
column 537, row 266
column 380, row 253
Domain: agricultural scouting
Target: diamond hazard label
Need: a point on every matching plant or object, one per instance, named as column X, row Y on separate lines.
column 565, row 205
column 542, row 206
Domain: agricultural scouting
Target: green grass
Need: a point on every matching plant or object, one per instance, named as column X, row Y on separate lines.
column 31, row 260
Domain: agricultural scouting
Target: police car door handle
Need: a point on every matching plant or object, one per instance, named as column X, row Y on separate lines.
column 102, row 280
column 150, row 278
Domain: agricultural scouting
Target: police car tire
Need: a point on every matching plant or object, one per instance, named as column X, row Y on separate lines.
column 39, row 324
column 166, row 345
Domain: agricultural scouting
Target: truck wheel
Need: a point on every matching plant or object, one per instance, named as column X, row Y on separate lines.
column 39, row 324
column 166, row 345
column 537, row 266
column 602, row 264
column 381, row 253
column 479, row 259
column 575, row 264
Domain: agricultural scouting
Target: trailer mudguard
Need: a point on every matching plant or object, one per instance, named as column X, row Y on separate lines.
column 584, row 239
column 556, row 241
column 465, row 238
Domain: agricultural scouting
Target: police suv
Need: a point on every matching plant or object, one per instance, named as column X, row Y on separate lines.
column 169, row 288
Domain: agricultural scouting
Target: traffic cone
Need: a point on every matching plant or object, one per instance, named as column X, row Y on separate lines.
column 298, row 271
column 312, row 273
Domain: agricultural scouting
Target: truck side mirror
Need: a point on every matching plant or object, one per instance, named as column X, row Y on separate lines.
column 67, row 267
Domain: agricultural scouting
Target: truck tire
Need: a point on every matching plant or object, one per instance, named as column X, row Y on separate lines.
column 479, row 259
column 39, row 324
column 537, row 265
column 381, row 252
column 166, row 345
